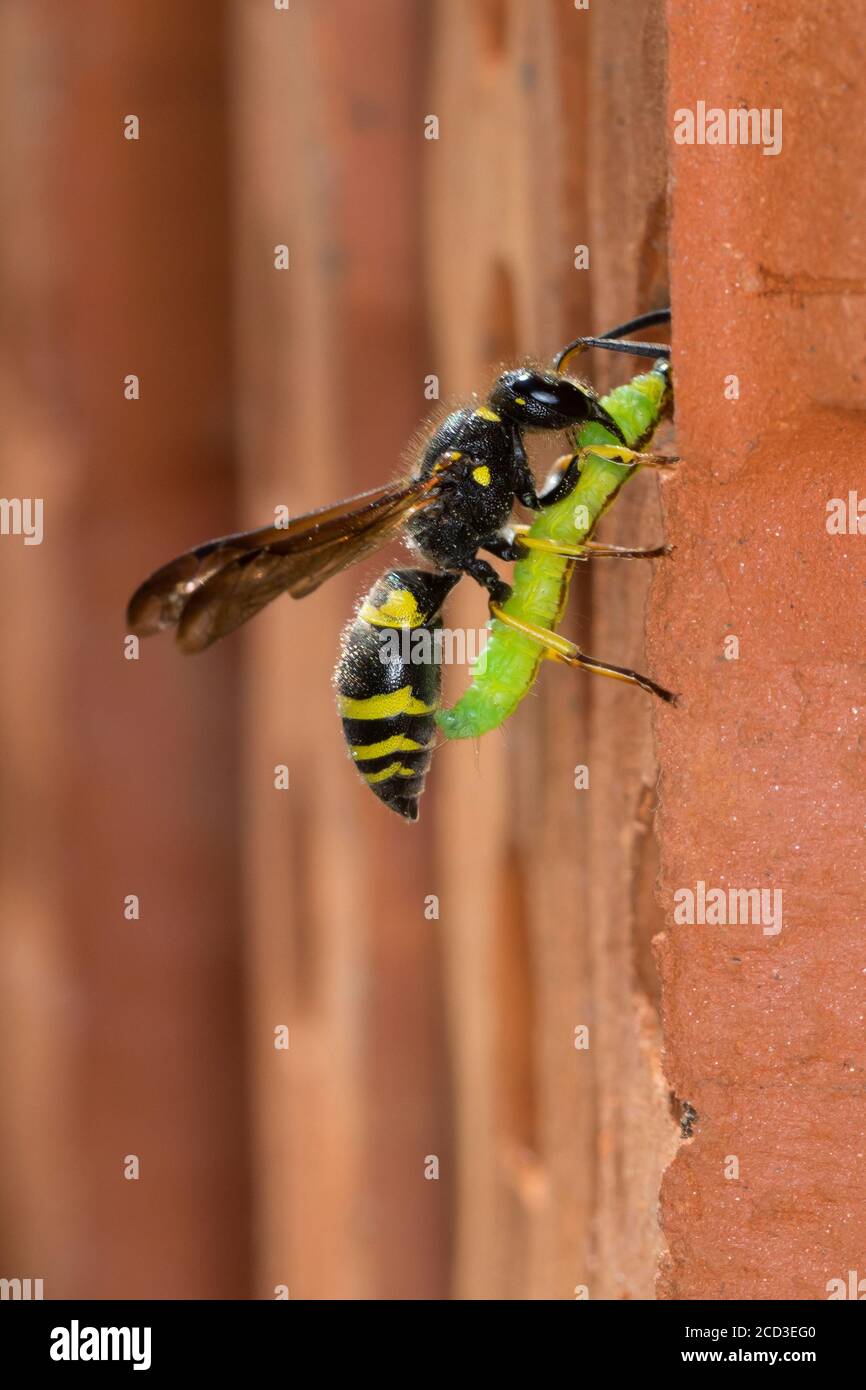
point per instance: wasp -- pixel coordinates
(456, 503)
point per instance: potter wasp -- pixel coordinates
(458, 501)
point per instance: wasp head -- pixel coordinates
(547, 401)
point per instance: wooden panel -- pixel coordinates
(551, 136)
(332, 362)
(119, 1037)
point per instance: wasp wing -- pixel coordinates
(209, 591)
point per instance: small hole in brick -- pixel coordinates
(685, 1115)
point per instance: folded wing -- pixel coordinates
(211, 590)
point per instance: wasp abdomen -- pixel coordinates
(388, 682)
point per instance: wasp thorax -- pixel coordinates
(541, 399)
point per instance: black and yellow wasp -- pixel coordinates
(458, 502)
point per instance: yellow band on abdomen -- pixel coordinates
(392, 770)
(398, 744)
(400, 701)
(400, 609)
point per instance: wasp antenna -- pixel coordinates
(610, 340)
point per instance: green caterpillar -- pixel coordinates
(506, 670)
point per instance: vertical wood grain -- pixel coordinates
(120, 1037)
(552, 136)
(332, 365)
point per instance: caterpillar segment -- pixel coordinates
(388, 682)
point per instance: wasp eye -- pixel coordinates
(542, 397)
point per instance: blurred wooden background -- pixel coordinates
(306, 908)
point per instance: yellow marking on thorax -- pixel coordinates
(399, 743)
(485, 413)
(400, 701)
(481, 474)
(392, 770)
(400, 609)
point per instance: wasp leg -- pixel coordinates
(524, 483)
(484, 574)
(582, 550)
(629, 458)
(560, 482)
(557, 648)
(563, 477)
(564, 474)
(504, 548)
(625, 552)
